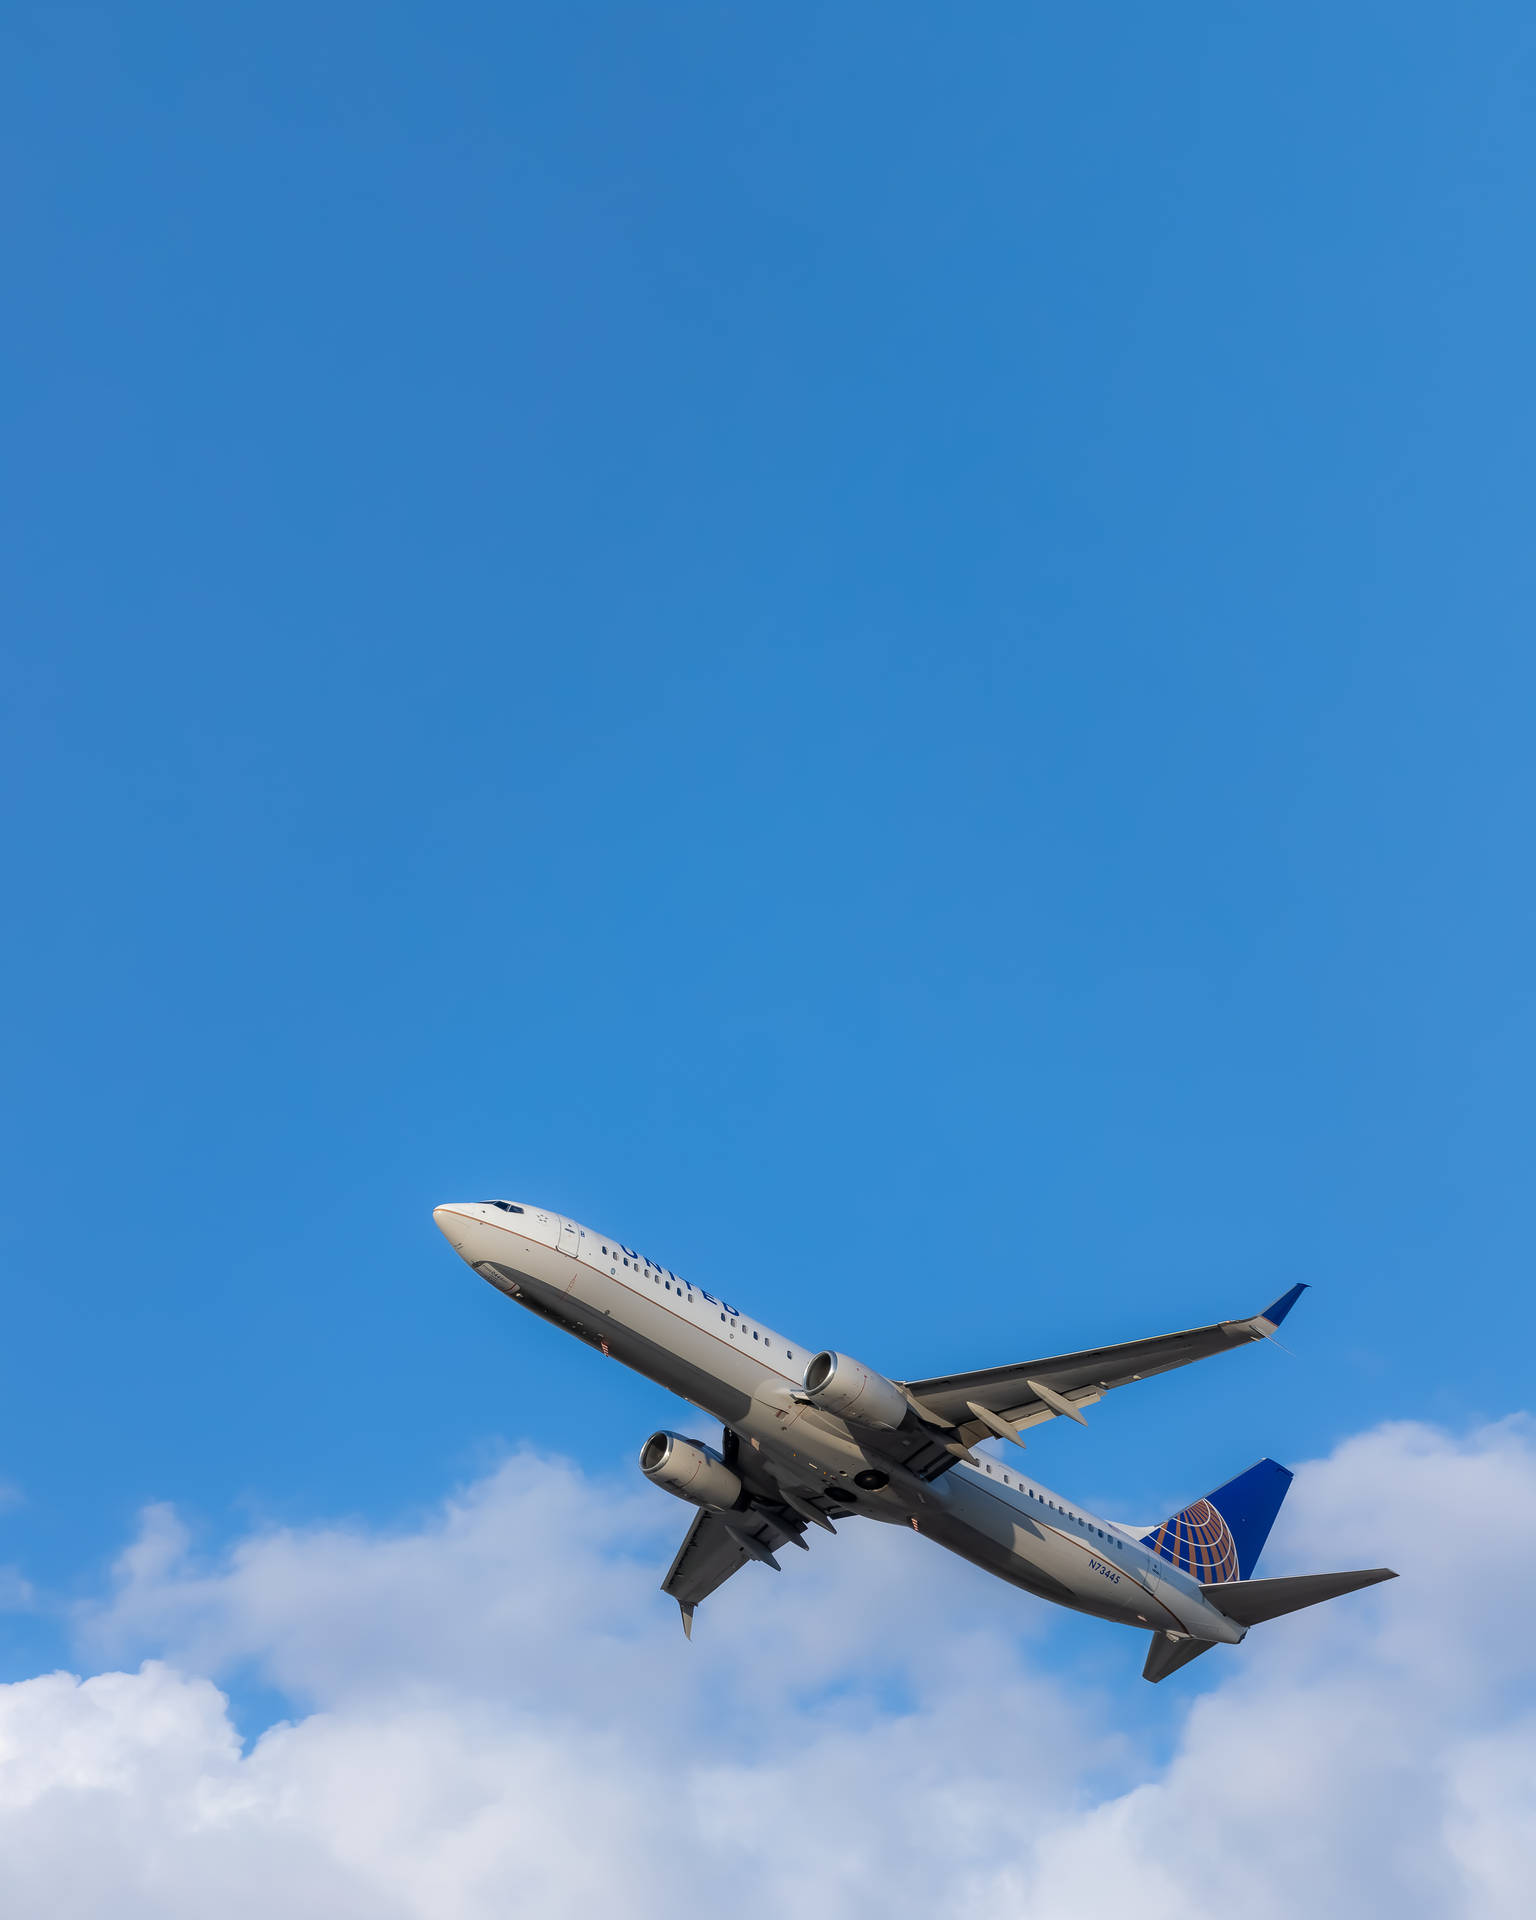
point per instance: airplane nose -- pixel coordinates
(450, 1222)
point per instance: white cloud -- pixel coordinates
(496, 1714)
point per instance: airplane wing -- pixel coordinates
(1037, 1390)
(716, 1545)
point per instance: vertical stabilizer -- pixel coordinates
(1220, 1537)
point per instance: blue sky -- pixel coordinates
(885, 649)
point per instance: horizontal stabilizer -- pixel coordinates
(1250, 1601)
(1170, 1651)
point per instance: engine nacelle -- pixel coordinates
(855, 1392)
(689, 1469)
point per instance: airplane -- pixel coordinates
(812, 1438)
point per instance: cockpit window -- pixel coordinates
(506, 1206)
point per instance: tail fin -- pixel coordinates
(1220, 1537)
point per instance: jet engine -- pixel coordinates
(689, 1469)
(842, 1386)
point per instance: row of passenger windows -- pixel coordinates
(1055, 1507)
(665, 1278)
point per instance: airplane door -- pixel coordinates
(570, 1239)
(1165, 1593)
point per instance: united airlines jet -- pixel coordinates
(812, 1438)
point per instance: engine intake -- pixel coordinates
(853, 1391)
(689, 1469)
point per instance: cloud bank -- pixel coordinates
(494, 1714)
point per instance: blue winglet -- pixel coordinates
(1275, 1314)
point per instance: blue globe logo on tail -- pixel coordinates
(1220, 1537)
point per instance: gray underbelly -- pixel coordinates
(660, 1363)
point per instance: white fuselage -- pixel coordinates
(748, 1376)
